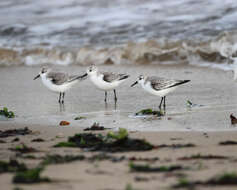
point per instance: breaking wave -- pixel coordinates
(218, 52)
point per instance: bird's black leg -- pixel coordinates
(161, 102)
(59, 99)
(63, 97)
(115, 97)
(164, 103)
(105, 96)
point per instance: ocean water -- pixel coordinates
(197, 32)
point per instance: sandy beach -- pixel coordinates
(204, 126)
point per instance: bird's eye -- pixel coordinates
(90, 70)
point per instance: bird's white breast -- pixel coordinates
(56, 88)
(147, 87)
(98, 81)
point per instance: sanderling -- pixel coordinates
(58, 81)
(105, 80)
(159, 86)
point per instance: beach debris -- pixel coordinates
(23, 149)
(233, 119)
(188, 145)
(189, 104)
(58, 159)
(11, 166)
(147, 168)
(64, 123)
(112, 142)
(176, 139)
(149, 111)
(9, 114)
(16, 139)
(229, 142)
(15, 132)
(37, 140)
(129, 187)
(203, 157)
(30, 176)
(79, 118)
(205, 135)
(229, 178)
(1, 141)
(141, 179)
(153, 159)
(95, 127)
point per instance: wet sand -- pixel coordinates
(33, 103)
(204, 126)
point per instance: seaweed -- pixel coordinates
(188, 145)
(65, 144)
(103, 156)
(58, 159)
(149, 111)
(23, 149)
(6, 113)
(11, 166)
(129, 187)
(148, 168)
(189, 104)
(1, 141)
(228, 143)
(204, 157)
(112, 142)
(79, 118)
(15, 132)
(30, 176)
(229, 178)
(95, 127)
(144, 159)
(37, 140)
(16, 139)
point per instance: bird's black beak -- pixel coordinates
(85, 75)
(134, 84)
(37, 76)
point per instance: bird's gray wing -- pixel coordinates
(110, 77)
(58, 78)
(158, 83)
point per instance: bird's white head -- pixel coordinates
(141, 80)
(43, 71)
(92, 70)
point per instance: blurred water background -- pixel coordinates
(198, 32)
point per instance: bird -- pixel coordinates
(158, 86)
(105, 81)
(57, 81)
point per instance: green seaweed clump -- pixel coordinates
(30, 176)
(6, 113)
(23, 149)
(149, 111)
(224, 179)
(79, 118)
(148, 168)
(120, 135)
(11, 166)
(66, 144)
(112, 142)
(58, 159)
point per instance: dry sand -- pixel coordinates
(204, 126)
